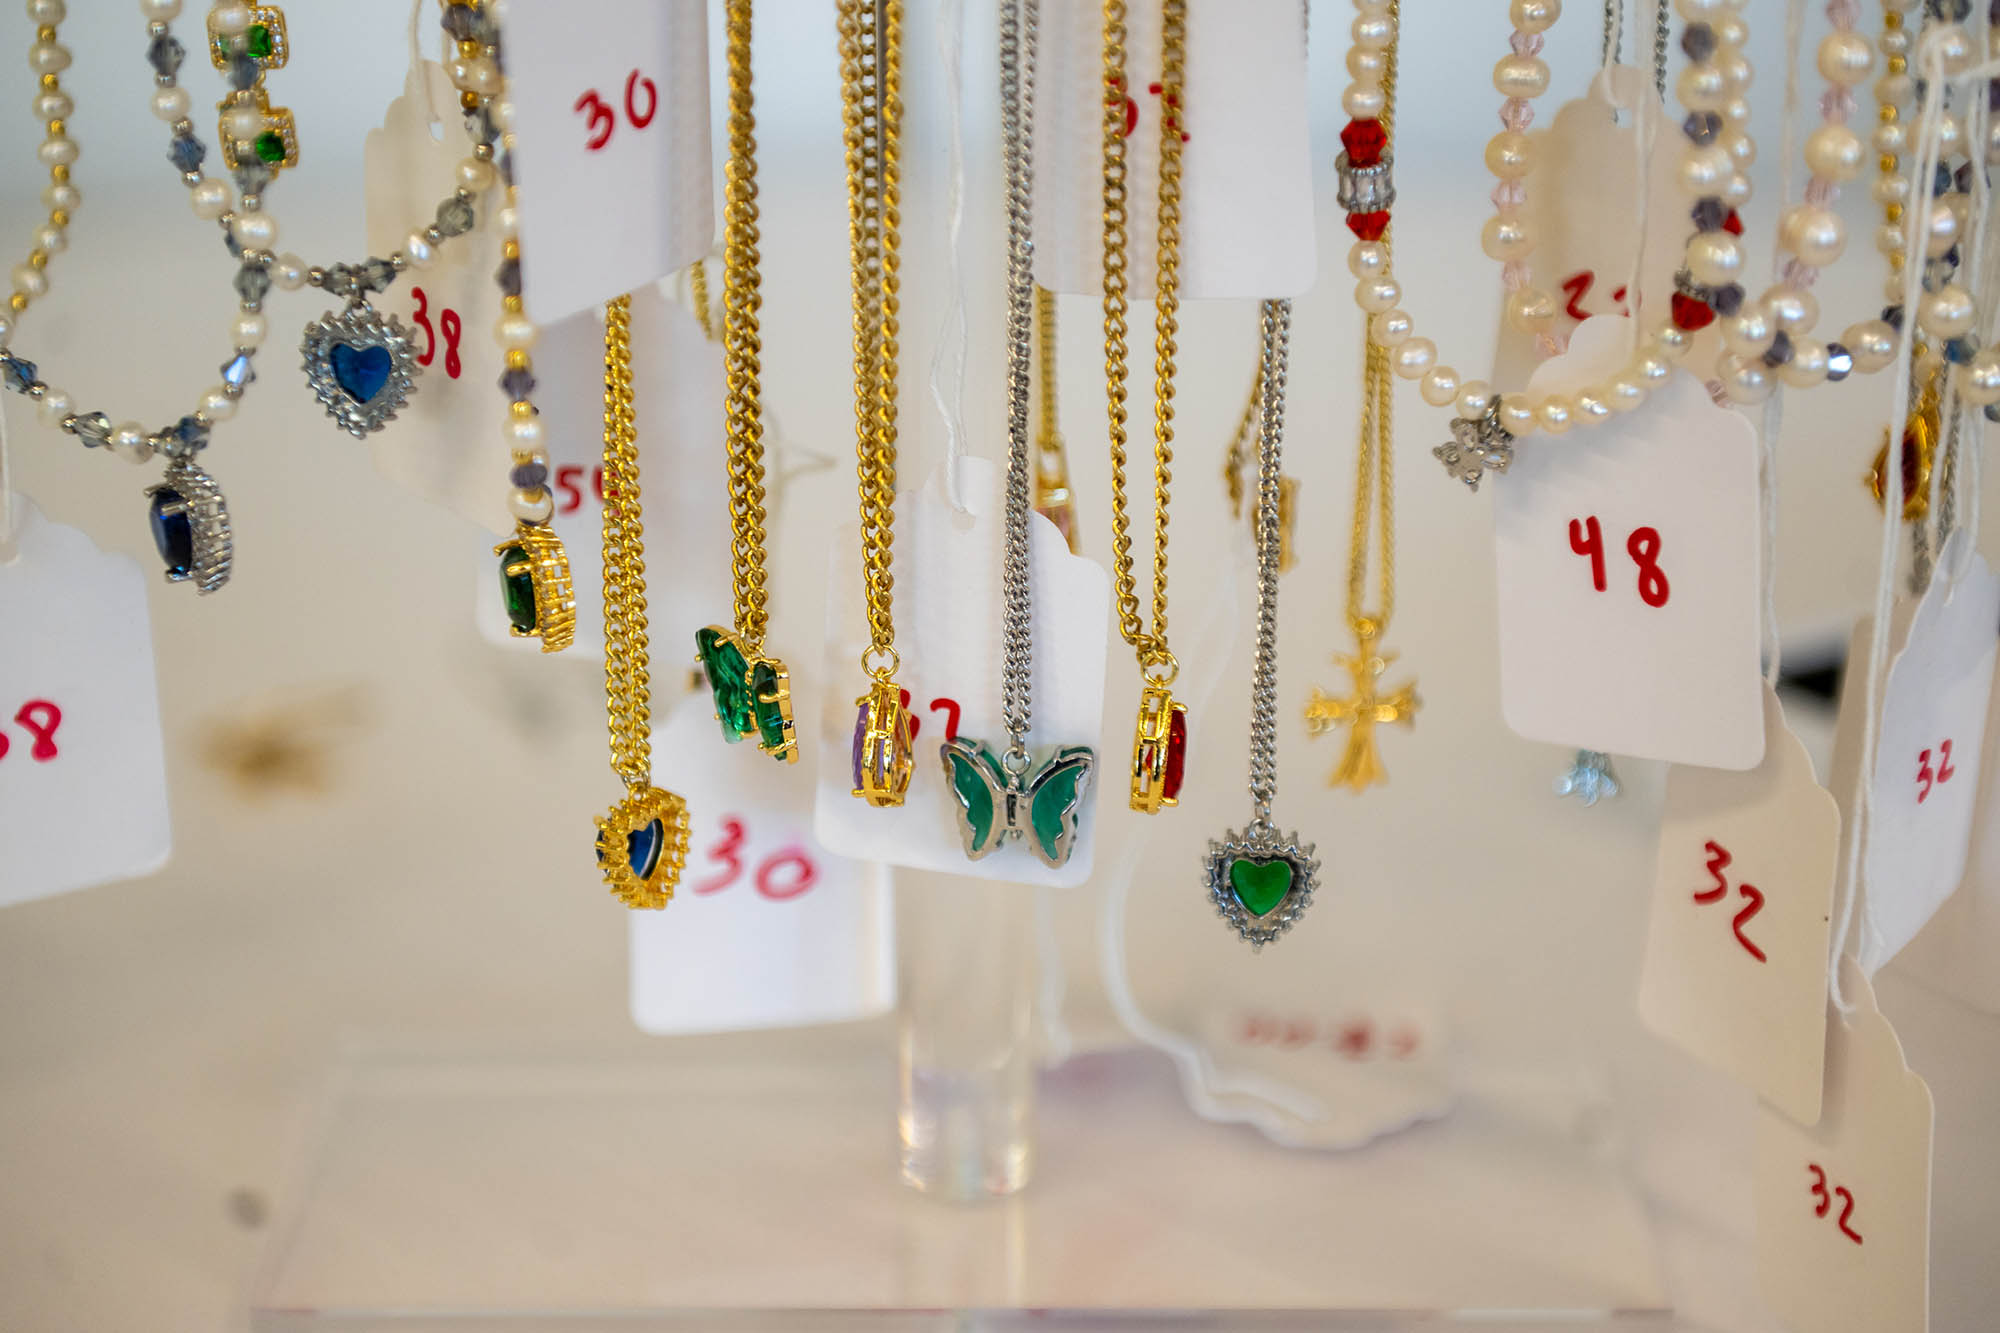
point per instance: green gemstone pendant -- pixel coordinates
(1260, 885)
(728, 672)
(1260, 881)
(517, 589)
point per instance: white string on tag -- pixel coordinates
(948, 361)
(1892, 520)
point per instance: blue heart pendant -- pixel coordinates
(360, 371)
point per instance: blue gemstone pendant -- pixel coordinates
(361, 366)
(190, 521)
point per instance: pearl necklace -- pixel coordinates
(48, 58)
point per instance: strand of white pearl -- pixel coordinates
(47, 58)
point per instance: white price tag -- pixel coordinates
(1627, 555)
(677, 401)
(1735, 970)
(948, 623)
(79, 717)
(768, 928)
(1582, 202)
(1843, 1209)
(611, 146)
(1925, 785)
(1246, 202)
(1958, 951)
(446, 444)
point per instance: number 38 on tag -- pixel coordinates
(1627, 554)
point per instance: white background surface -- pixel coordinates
(161, 1043)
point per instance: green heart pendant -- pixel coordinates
(1260, 885)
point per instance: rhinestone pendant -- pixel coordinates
(1260, 881)
(884, 746)
(997, 804)
(642, 846)
(361, 366)
(753, 694)
(1159, 750)
(535, 587)
(191, 527)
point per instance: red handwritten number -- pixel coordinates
(423, 321)
(453, 327)
(1592, 546)
(1718, 860)
(1754, 896)
(633, 82)
(1945, 771)
(772, 879)
(1847, 1211)
(1644, 548)
(602, 121)
(1926, 778)
(950, 707)
(1578, 285)
(803, 878)
(568, 480)
(1819, 1189)
(729, 852)
(44, 730)
(1825, 1202)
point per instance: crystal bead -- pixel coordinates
(253, 283)
(243, 73)
(1958, 351)
(252, 175)
(1780, 351)
(339, 280)
(508, 275)
(1892, 315)
(165, 55)
(1691, 312)
(454, 216)
(1368, 226)
(1992, 411)
(1707, 214)
(186, 152)
(460, 20)
(516, 383)
(1839, 362)
(479, 124)
(18, 372)
(93, 428)
(1727, 299)
(505, 166)
(377, 274)
(1941, 182)
(1733, 223)
(1698, 40)
(188, 435)
(529, 476)
(237, 372)
(1702, 127)
(1364, 141)
(231, 244)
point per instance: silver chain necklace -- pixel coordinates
(997, 797)
(1261, 880)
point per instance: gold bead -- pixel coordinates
(38, 258)
(17, 303)
(523, 410)
(49, 82)
(517, 359)
(45, 33)
(58, 217)
(60, 175)
(56, 128)
(1898, 64)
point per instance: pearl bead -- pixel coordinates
(536, 506)
(217, 405)
(1749, 333)
(1414, 358)
(1555, 414)
(1391, 328)
(1745, 380)
(1368, 259)
(1742, 150)
(1624, 392)
(30, 281)
(1375, 295)
(54, 406)
(1439, 386)
(1695, 10)
(48, 57)
(210, 199)
(1807, 366)
(1510, 155)
(255, 231)
(229, 20)
(128, 441)
(1947, 312)
(243, 121)
(1941, 233)
(61, 195)
(1793, 309)
(475, 75)
(1816, 235)
(170, 104)
(57, 151)
(1517, 415)
(248, 331)
(507, 223)
(1892, 189)
(1950, 134)
(1363, 101)
(1873, 343)
(1652, 370)
(1889, 238)
(51, 238)
(1592, 404)
(289, 272)
(1714, 258)
(1979, 379)
(417, 248)
(1891, 137)
(1702, 88)
(1736, 190)
(503, 114)
(1729, 30)
(523, 433)
(159, 11)
(46, 13)
(6, 327)
(475, 176)
(514, 332)
(1735, 71)
(1845, 57)
(1474, 397)
(1946, 45)
(1506, 236)
(1520, 76)
(1835, 153)
(1736, 111)
(1892, 289)
(1530, 310)
(1372, 32)
(1669, 343)
(1365, 66)
(1894, 90)
(53, 104)
(1703, 170)
(1534, 15)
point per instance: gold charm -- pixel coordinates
(276, 143)
(642, 846)
(884, 748)
(264, 41)
(1360, 765)
(535, 587)
(1159, 750)
(1920, 438)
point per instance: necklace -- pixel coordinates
(1260, 880)
(1159, 743)
(535, 585)
(872, 114)
(753, 693)
(1237, 458)
(642, 842)
(1054, 500)
(998, 799)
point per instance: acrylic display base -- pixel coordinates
(750, 1182)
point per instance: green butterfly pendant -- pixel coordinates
(995, 805)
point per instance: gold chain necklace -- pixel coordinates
(753, 692)
(1159, 744)
(1055, 500)
(1374, 487)
(642, 843)
(871, 118)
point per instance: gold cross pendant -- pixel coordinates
(1360, 765)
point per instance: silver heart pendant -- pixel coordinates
(361, 366)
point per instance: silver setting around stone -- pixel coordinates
(207, 513)
(1370, 189)
(1261, 844)
(360, 326)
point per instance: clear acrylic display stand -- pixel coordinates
(751, 1181)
